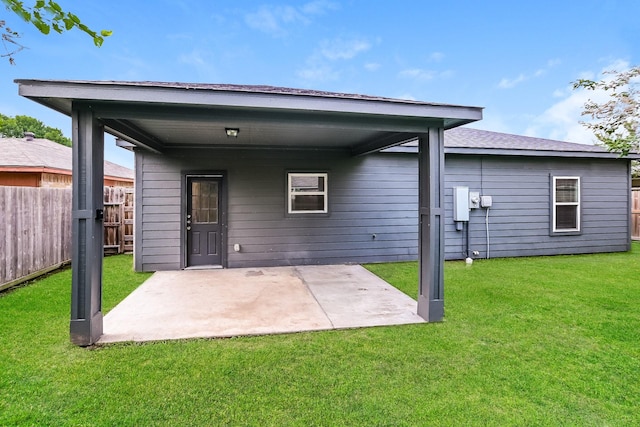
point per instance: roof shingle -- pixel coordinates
(463, 140)
(44, 153)
(476, 138)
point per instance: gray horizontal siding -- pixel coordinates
(361, 204)
(519, 220)
(376, 195)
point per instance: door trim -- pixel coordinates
(222, 176)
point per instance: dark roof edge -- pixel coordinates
(238, 88)
(521, 153)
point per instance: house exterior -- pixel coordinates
(240, 176)
(36, 162)
(526, 178)
(214, 155)
(369, 205)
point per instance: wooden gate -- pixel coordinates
(118, 219)
(635, 214)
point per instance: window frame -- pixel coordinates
(290, 194)
(554, 204)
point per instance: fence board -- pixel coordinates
(35, 229)
(118, 217)
(635, 214)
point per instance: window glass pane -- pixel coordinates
(566, 217)
(307, 203)
(307, 192)
(307, 183)
(566, 191)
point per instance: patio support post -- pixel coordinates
(431, 225)
(87, 227)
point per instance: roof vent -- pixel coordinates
(29, 136)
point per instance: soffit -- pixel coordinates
(162, 116)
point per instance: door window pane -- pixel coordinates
(204, 202)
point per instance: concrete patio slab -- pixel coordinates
(255, 301)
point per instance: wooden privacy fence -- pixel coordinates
(35, 229)
(635, 214)
(118, 219)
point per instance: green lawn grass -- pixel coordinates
(529, 341)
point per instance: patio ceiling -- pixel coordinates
(165, 116)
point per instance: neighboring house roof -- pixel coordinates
(475, 141)
(20, 153)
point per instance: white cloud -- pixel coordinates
(508, 83)
(132, 67)
(192, 58)
(406, 96)
(318, 7)
(372, 66)
(199, 61)
(318, 73)
(343, 49)
(181, 37)
(436, 57)
(446, 74)
(417, 73)
(275, 20)
(320, 65)
(492, 122)
(423, 75)
(562, 120)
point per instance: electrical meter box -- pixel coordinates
(486, 201)
(461, 203)
(474, 200)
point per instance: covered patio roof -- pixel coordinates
(168, 117)
(162, 116)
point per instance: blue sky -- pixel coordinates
(516, 59)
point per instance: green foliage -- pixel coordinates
(45, 15)
(551, 341)
(16, 127)
(616, 123)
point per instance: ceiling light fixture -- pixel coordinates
(232, 132)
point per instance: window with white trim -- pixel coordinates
(566, 204)
(307, 193)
